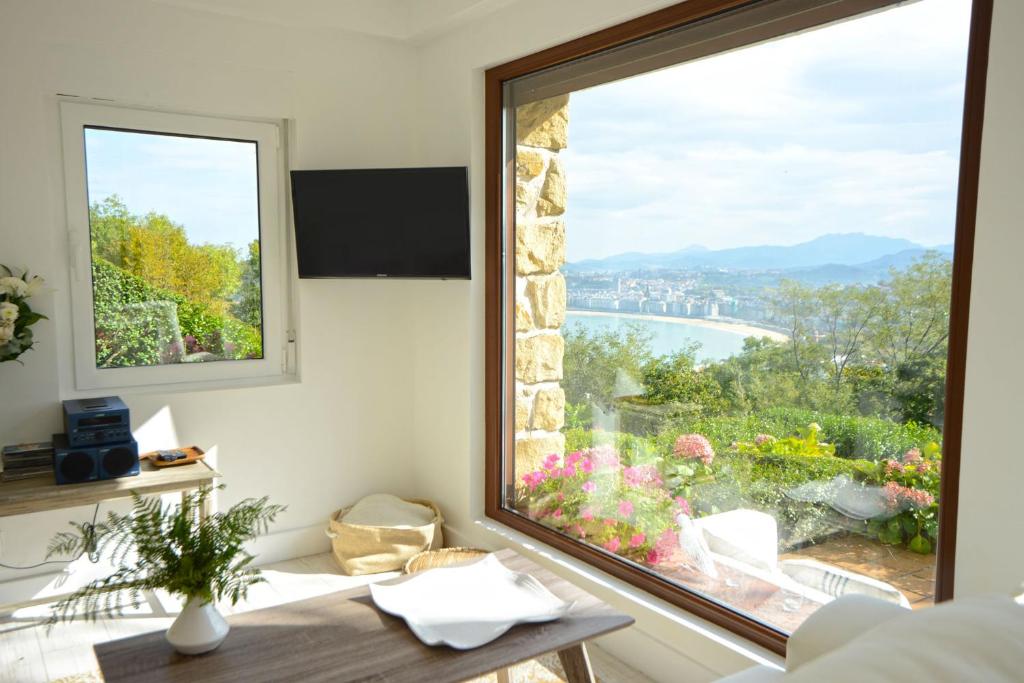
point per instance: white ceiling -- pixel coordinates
(406, 20)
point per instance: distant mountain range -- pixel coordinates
(848, 257)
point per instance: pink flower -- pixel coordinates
(573, 458)
(604, 457)
(608, 521)
(587, 514)
(558, 513)
(613, 545)
(899, 497)
(569, 471)
(694, 447)
(625, 508)
(684, 505)
(589, 487)
(579, 531)
(587, 465)
(892, 466)
(917, 498)
(534, 479)
(912, 456)
(560, 496)
(922, 467)
(642, 475)
(762, 439)
(666, 544)
(550, 461)
(637, 540)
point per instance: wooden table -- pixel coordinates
(343, 637)
(39, 494)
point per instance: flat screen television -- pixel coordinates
(379, 223)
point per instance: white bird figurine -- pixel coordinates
(691, 540)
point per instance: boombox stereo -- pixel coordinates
(96, 421)
(76, 464)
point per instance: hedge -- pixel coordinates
(134, 323)
(854, 437)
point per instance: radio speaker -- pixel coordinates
(74, 465)
(118, 460)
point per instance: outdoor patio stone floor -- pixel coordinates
(911, 573)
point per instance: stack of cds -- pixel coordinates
(25, 460)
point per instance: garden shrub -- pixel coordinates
(134, 326)
(853, 437)
(592, 495)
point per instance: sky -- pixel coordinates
(853, 127)
(207, 186)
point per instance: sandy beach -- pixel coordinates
(738, 328)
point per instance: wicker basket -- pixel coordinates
(445, 557)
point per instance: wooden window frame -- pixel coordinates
(500, 306)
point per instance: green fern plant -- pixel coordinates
(166, 547)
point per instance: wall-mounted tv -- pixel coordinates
(387, 222)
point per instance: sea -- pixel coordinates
(667, 337)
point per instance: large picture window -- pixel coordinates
(726, 347)
(176, 240)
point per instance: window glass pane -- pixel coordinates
(733, 280)
(175, 245)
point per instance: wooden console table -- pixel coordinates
(39, 494)
(343, 637)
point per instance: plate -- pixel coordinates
(469, 605)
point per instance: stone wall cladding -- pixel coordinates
(541, 134)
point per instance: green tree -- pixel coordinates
(845, 314)
(249, 306)
(675, 379)
(109, 222)
(911, 336)
(594, 363)
(794, 306)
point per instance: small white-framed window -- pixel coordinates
(176, 232)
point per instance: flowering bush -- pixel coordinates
(910, 486)
(16, 317)
(694, 447)
(691, 464)
(591, 495)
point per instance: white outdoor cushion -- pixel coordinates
(834, 581)
(381, 509)
(748, 536)
(968, 639)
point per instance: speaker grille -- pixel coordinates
(118, 461)
(76, 466)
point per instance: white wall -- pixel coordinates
(343, 431)
(449, 365)
(990, 555)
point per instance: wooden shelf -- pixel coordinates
(39, 494)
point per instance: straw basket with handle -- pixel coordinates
(445, 557)
(365, 549)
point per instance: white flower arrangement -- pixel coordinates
(16, 317)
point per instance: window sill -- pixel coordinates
(712, 647)
(188, 387)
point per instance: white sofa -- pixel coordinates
(856, 638)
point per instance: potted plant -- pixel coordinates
(16, 316)
(176, 549)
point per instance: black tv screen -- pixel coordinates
(393, 222)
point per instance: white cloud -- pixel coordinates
(854, 127)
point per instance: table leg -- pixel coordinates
(576, 664)
(204, 510)
(504, 676)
